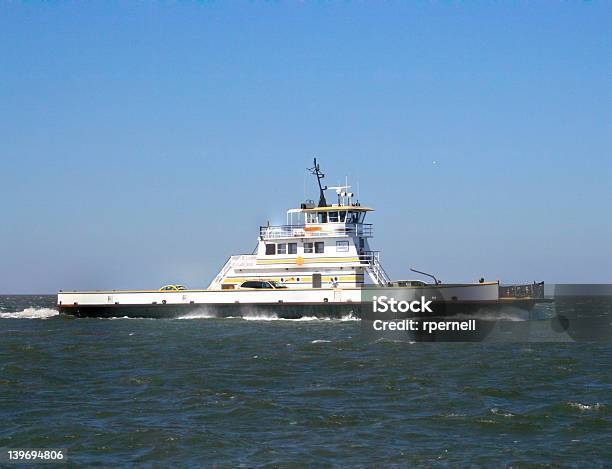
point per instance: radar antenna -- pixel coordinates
(317, 172)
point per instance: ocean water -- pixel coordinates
(201, 391)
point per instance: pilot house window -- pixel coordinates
(270, 249)
(355, 217)
(311, 217)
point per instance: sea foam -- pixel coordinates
(31, 313)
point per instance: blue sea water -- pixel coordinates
(231, 392)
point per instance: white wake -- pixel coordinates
(200, 313)
(31, 313)
(274, 317)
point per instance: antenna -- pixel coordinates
(316, 170)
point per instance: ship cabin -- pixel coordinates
(324, 246)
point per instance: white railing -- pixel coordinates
(244, 260)
(234, 262)
(303, 231)
(375, 269)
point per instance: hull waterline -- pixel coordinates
(284, 311)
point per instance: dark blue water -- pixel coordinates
(227, 392)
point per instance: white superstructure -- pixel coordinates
(328, 247)
(325, 245)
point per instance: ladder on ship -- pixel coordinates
(375, 269)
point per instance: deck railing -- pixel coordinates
(529, 290)
(234, 262)
(363, 230)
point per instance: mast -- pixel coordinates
(317, 172)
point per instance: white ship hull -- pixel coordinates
(284, 303)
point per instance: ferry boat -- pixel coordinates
(320, 263)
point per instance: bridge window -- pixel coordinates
(281, 248)
(342, 216)
(333, 217)
(355, 217)
(292, 248)
(308, 248)
(319, 247)
(322, 217)
(342, 246)
(270, 249)
(311, 217)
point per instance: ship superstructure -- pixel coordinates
(320, 246)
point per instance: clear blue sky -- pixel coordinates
(144, 142)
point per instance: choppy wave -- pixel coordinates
(585, 407)
(203, 313)
(350, 317)
(500, 412)
(257, 317)
(493, 316)
(393, 341)
(274, 317)
(31, 313)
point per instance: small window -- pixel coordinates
(333, 217)
(355, 217)
(319, 247)
(281, 248)
(292, 248)
(322, 217)
(342, 216)
(342, 246)
(270, 249)
(308, 248)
